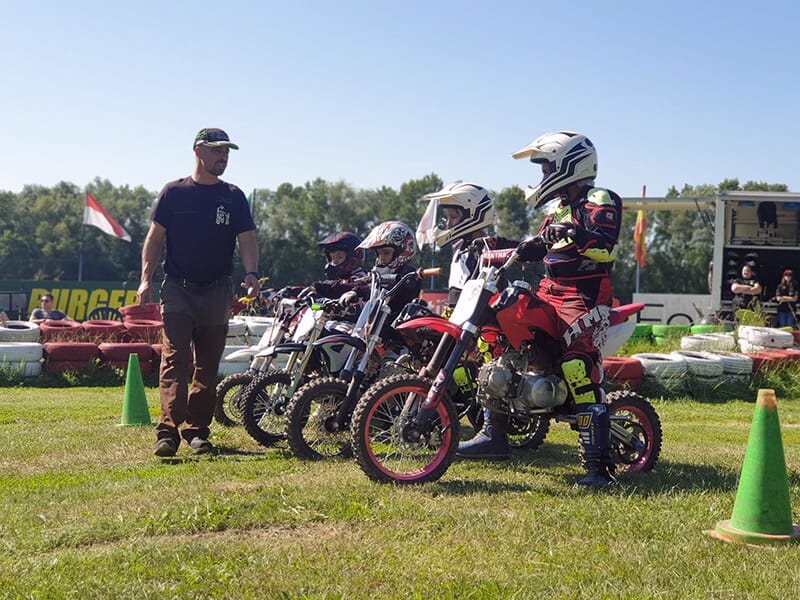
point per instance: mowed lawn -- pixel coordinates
(86, 511)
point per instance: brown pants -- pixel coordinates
(195, 326)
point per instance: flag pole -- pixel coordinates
(638, 266)
(80, 243)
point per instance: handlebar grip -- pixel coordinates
(432, 272)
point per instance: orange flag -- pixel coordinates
(638, 238)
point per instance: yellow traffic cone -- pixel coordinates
(762, 514)
(134, 405)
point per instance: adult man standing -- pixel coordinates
(199, 218)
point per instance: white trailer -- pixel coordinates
(760, 228)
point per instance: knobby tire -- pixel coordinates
(310, 417)
(382, 436)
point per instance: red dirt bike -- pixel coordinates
(405, 428)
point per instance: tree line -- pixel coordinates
(43, 237)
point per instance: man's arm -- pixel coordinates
(151, 252)
(248, 251)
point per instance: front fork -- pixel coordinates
(423, 421)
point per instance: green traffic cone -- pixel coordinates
(762, 514)
(134, 405)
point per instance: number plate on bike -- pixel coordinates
(468, 301)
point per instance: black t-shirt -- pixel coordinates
(744, 300)
(202, 222)
(786, 289)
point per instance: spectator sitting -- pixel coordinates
(46, 312)
(746, 289)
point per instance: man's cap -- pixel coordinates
(787, 272)
(213, 138)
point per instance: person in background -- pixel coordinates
(46, 312)
(746, 289)
(3, 317)
(786, 296)
(200, 219)
(343, 263)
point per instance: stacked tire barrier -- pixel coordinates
(643, 332)
(665, 334)
(75, 357)
(20, 331)
(25, 357)
(237, 333)
(704, 367)
(623, 371)
(228, 367)
(708, 356)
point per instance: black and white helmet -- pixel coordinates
(473, 202)
(571, 157)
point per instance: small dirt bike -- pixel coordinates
(265, 399)
(318, 415)
(405, 427)
(228, 406)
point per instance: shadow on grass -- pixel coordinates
(667, 478)
(219, 452)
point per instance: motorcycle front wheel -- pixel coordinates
(228, 405)
(310, 420)
(635, 432)
(264, 407)
(388, 444)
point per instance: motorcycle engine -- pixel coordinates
(504, 386)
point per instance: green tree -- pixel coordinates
(512, 213)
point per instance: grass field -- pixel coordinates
(88, 512)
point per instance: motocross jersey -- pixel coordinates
(462, 267)
(596, 216)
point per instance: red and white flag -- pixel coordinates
(96, 215)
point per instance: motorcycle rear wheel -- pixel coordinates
(388, 446)
(642, 424)
(310, 417)
(228, 404)
(264, 407)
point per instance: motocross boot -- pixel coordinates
(491, 442)
(594, 433)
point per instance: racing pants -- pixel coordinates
(581, 307)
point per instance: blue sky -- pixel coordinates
(376, 93)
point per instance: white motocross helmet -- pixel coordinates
(571, 156)
(396, 235)
(473, 201)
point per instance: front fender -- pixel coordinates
(347, 340)
(436, 323)
(286, 348)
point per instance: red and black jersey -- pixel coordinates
(596, 216)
